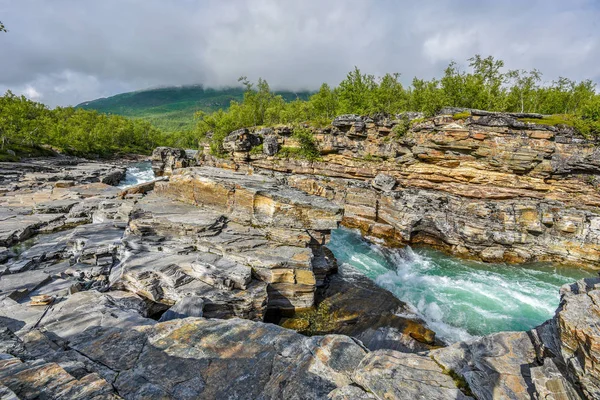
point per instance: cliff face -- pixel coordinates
(487, 187)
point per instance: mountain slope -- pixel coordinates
(173, 108)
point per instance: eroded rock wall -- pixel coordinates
(488, 187)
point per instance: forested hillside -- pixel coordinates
(172, 109)
(28, 128)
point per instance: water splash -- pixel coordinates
(137, 173)
(459, 299)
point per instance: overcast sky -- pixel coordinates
(63, 52)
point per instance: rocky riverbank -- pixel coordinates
(488, 186)
(165, 289)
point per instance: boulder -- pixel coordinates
(270, 145)
(197, 358)
(240, 141)
(384, 182)
(494, 366)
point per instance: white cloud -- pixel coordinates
(69, 51)
(32, 93)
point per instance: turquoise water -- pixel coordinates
(459, 299)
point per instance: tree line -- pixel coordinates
(486, 85)
(27, 125)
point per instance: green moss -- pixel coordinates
(373, 158)
(459, 381)
(369, 157)
(587, 127)
(401, 128)
(257, 149)
(314, 321)
(461, 115)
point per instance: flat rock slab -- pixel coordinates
(213, 359)
(84, 310)
(36, 379)
(55, 207)
(254, 199)
(17, 227)
(389, 374)
(17, 286)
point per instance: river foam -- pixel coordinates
(137, 173)
(459, 299)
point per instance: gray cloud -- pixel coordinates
(67, 51)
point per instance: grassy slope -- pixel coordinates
(173, 108)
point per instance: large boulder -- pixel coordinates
(494, 366)
(197, 358)
(388, 374)
(240, 140)
(384, 182)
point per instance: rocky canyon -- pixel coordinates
(215, 280)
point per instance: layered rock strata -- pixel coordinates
(487, 187)
(206, 248)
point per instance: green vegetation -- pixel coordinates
(486, 86)
(460, 382)
(257, 149)
(308, 145)
(461, 115)
(402, 127)
(28, 128)
(25, 125)
(172, 109)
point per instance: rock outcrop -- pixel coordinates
(488, 187)
(164, 290)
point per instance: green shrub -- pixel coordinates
(289, 152)
(588, 128)
(308, 145)
(257, 149)
(402, 127)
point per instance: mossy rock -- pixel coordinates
(461, 115)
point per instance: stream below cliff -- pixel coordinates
(459, 299)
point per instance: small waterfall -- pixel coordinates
(137, 173)
(459, 299)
